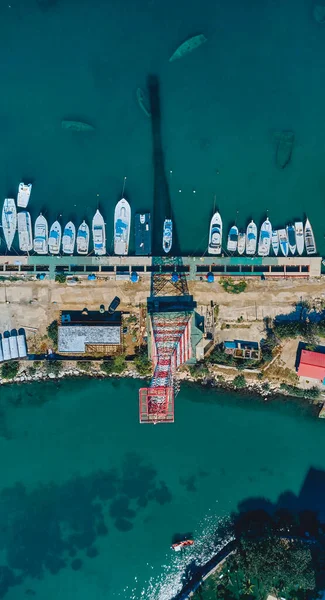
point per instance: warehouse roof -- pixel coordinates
(75, 337)
(312, 364)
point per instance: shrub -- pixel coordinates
(292, 390)
(52, 332)
(60, 278)
(84, 365)
(107, 366)
(9, 370)
(239, 381)
(31, 370)
(231, 287)
(115, 366)
(142, 363)
(198, 370)
(54, 366)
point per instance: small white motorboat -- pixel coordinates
(122, 226)
(251, 238)
(25, 234)
(167, 235)
(9, 221)
(41, 234)
(232, 239)
(283, 241)
(69, 238)
(241, 242)
(24, 191)
(264, 242)
(99, 234)
(275, 242)
(299, 229)
(55, 238)
(291, 234)
(83, 238)
(215, 234)
(309, 239)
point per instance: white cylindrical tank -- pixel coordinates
(13, 346)
(22, 348)
(6, 349)
(1, 353)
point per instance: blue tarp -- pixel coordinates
(134, 277)
(91, 277)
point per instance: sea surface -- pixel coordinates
(90, 500)
(262, 70)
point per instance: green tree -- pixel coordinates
(54, 366)
(119, 364)
(60, 278)
(142, 363)
(239, 381)
(52, 332)
(9, 370)
(84, 365)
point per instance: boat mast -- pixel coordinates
(123, 187)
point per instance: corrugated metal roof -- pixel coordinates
(312, 365)
(75, 337)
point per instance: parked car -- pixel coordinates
(113, 305)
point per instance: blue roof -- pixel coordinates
(231, 345)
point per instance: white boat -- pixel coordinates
(41, 234)
(251, 238)
(241, 242)
(215, 234)
(55, 238)
(9, 220)
(25, 234)
(299, 229)
(69, 238)
(309, 239)
(275, 241)
(122, 223)
(167, 235)
(232, 239)
(99, 234)
(83, 238)
(264, 242)
(283, 241)
(24, 191)
(291, 238)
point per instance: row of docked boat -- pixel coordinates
(292, 239)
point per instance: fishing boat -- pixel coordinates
(232, 239)
(25, 234)
(9, 220)
(180, 545)
(241, 242)
(99, 234)
(264, 242)
(309, 239)
(41, 235)
(215, 234)
(291, 238)
(142, 234)
(275, 241)
(69, 238)
(122, 224)
(299, 229)
(251, 238)
(283, 241)
(83, 238)
(167, 235)
(24, 191)
(78, 126)
(188, 46)
(55, 238)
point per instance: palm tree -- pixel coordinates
(248, 587)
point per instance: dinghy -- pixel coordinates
(25, 234)
(83, 238)
(215, 234)
(241, 242)
(24, 191)
(41, 235)
(291, 238)
(251, 238)
(299, 229)
(275, 242)
(283, 241)
(69, 238)
(232, 239)
(188, 46)
(55, 238)
(99, 234)
(122, 225)
(264, 242)
(9, 220)
(167, 235)
(309, 239)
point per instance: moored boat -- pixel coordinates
(9, 220)
(215, 234)
(142, 234)
(167, 235)
(122, 224)
(264, 242)
(251, 238)
(283, 241)
(83, 238)
(24, 191)
(99, 234)
(41, 235)
(188, 46)
(299, 229)
(291, 238)
(55, 238)
(275, 241)
(232, 239)
(180, 545)
(241, 242)
(69, 238)
(309, 238)
(25, 235)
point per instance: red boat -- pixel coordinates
(180, 545)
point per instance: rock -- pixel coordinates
(52, 376)
(319, 13)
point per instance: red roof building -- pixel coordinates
(312, 365)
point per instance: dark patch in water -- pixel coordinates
(123, 524)
(189, 483)
(101, 528)
(76, 564)
(92, 552)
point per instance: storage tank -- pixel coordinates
(22, 348)
(6, 349)
(13, 346)
(1, 354)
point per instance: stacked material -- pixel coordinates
(12, 347)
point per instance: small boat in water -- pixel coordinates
(309, 239)
(122, 225)
(264, 242)
(232, 239)
(83, 238)
(41, 234)
(291, 238)
(142, 234)
(55, 238)
(25, 234)
(78, 126)
(24, 191)
(275, 242)
(9, 220)
(283, 241)
(251, 238)
(215, 234)
(241, 242)
(69, 238)
(188, 46)
(180, 545)
(99, 234)
(299, 229)
(167, 235)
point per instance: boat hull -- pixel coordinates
(24, 191)
(283, 242)
(167, 235)
(41, 235)
(291, 235)
(99, 234)
(299, 229)
(264, 243)
(122, 223)
(232, 239)
(9, 221)
(251, 239)
(142, 234)
(309, 239)
(215, 234)
(275, 242)
(55, 237)
(69, 238)
(83, 239)
(25, 235)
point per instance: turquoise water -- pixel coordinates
(260, 71)
(90, 500)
